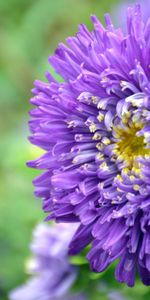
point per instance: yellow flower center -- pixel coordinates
(129, 145)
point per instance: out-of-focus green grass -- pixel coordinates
(19, 210)
(29, 32)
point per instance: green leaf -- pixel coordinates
(78, 260)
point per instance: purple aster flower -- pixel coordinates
(95, 129)
(116, 296)
(53, 276)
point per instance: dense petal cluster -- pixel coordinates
(121, 8)
(52, 274)
(95, 129)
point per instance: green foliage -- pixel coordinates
(19, 209)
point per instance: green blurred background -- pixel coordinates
(29, 31)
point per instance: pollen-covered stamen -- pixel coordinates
(129, 145)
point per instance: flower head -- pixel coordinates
(95, 129)
(52, 274)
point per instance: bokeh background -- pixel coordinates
(29, 31)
